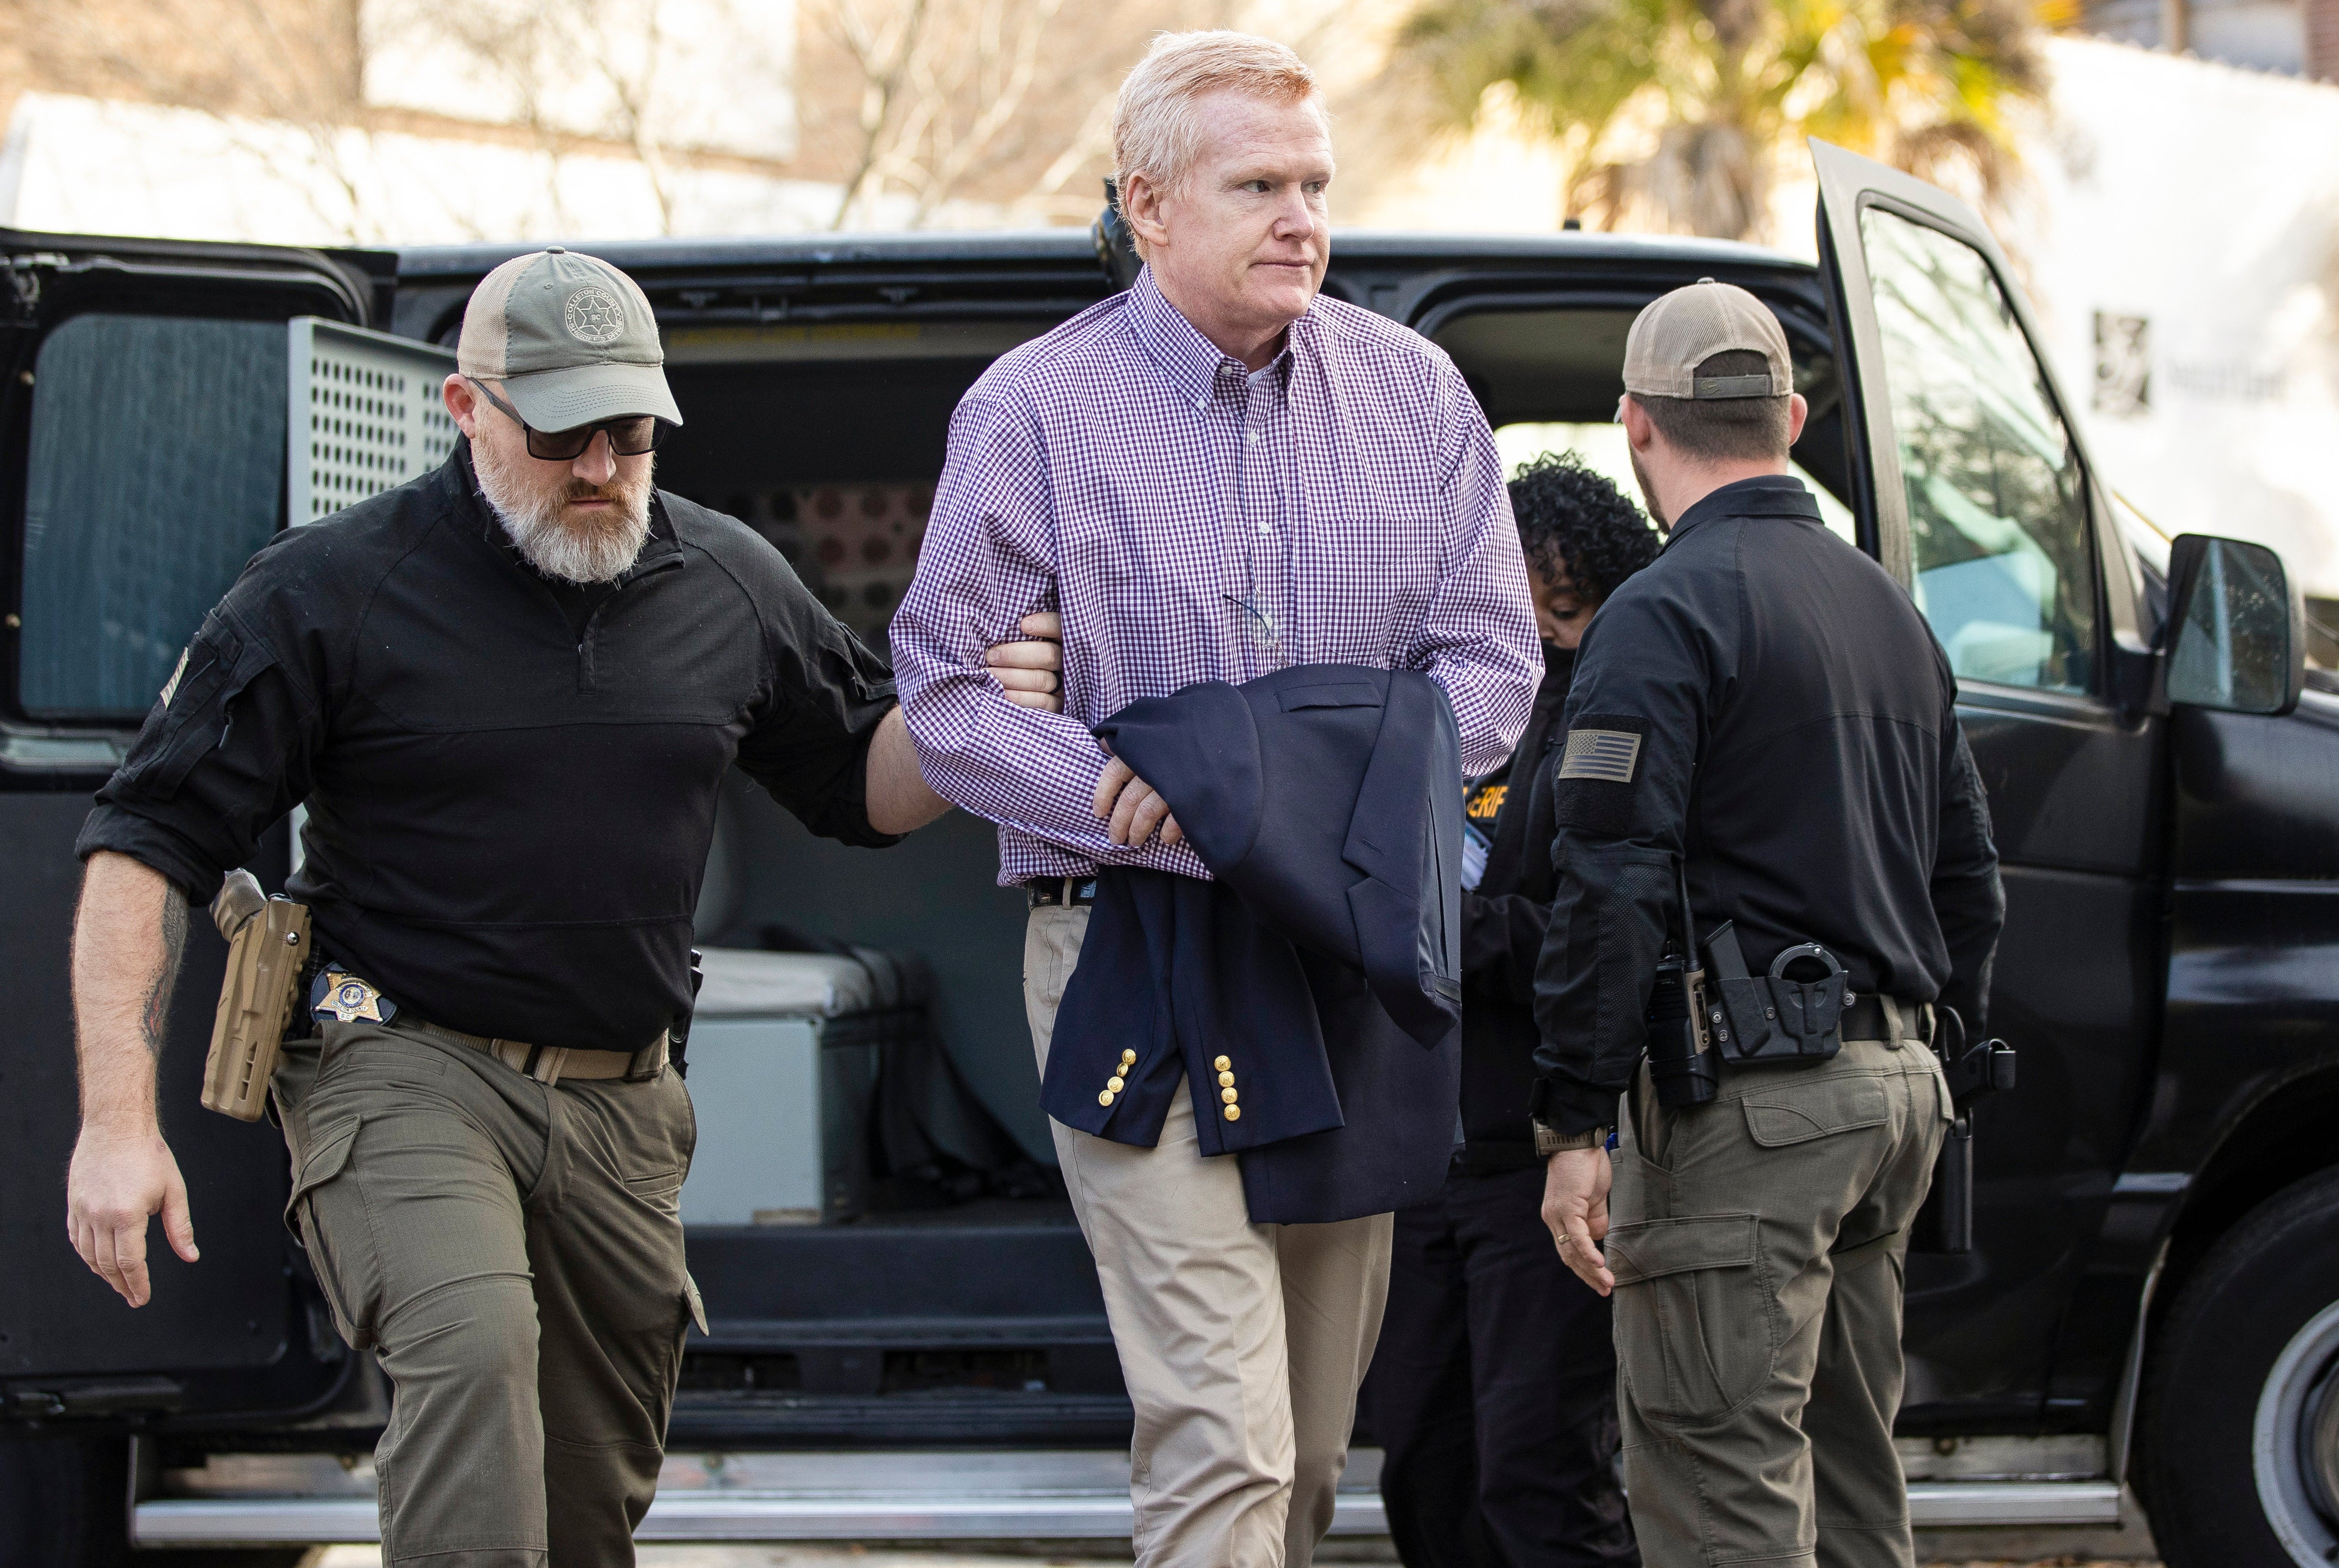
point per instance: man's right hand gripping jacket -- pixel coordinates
(1612, 910)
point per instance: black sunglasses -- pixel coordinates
(632, 436)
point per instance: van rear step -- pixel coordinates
(264, 1500)
(1043, 1421)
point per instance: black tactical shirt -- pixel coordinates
(1503, 922)
(1766, 699)
(511, 783)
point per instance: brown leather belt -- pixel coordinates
(548, 1064)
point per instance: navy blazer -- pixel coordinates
(1323, 964)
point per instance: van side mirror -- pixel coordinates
(2236, 632)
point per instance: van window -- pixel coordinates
(1997, 510)
(1605, 450)
(154, 469)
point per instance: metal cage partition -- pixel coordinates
(365, 415)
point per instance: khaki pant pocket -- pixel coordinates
(1696, 1319)
(1052, 936)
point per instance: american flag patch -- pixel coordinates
(1608, 755)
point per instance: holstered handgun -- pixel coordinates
(267, 943)
(1946, 1222)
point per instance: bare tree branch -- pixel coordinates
(633, 92)
(882, 49)
(994, 98)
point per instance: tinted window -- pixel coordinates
(1998, 514)
(153, 472)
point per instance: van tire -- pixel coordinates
(2251, 1345)
(63, 1504)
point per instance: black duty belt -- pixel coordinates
(1881, 1018)
(1058, 891)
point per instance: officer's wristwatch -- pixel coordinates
(1548, 1143)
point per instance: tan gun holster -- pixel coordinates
(267, 943)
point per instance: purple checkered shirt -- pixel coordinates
(1195, 522)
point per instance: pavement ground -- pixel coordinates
(2125, 1544)
(1035, 1555)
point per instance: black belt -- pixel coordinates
(1865, 1017)
(1058, 891)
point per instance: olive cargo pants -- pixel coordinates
(1757, 1242)
(513, 1254)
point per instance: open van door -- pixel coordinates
(146, 416)
(1985, 504)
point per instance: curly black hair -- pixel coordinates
(1568, 513)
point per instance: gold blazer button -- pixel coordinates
(1104, 1097)
(1234, 1113)
(1222, 1063)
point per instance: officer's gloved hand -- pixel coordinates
(1032, 671)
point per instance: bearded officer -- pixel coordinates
(508, 692)
(1764, 703)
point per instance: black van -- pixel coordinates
(2152, 1308)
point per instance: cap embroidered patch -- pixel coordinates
(593, 315)
(1609, 755)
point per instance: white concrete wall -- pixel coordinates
(2264, 35)
(87, 165)
(717, 74)
(2203, 200)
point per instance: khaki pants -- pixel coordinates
(1758, 1243)
(513, 1254)
(1242, 1345)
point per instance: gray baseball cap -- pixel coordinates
(1684, 329)
(571, 338)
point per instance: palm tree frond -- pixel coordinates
(1928, 84)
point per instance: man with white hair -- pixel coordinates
(508, 691)
(1214, 476)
